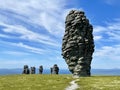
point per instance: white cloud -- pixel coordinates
(107, 40)
(4, 36)
(45, 13)
(50, 14)
(97, 32)
(108, 52)
(106, 57)
(26, 34)
(31, 49)
(16, 53)
(110, 31)
(96, 38)
(99, 29)
(22, 46)
(114, 35)
(115, 25)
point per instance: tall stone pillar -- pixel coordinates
(78, 43)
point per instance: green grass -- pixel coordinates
(34, 82)
(57, 82)
(99, 83)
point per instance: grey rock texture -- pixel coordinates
(55, 69)
(78, 43)
(51, 70)
(40, 69)
(26, 70)
(33, 70)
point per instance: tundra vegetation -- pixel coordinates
(57, 82)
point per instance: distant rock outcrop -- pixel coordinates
(33, 70)
(40, 69)
(55, 69)
(78, 43)
(26, 70)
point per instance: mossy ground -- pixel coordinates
(57, 82)
(99, 83)
(34, 82)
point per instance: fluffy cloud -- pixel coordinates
(107, 45)
(42, 22)
(109, 51)
(32, 49)
(106, 57)
(111, 31)
(26, 34)
(48, 14)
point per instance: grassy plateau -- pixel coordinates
(34, 82)
(57, 82)
(99, 83)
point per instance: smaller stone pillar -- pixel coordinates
(26, 70)
(55, 69)
(40, 69)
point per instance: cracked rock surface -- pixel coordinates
(78, 43)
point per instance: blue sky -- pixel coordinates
(31, 32)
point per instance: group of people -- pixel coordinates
(32, 70)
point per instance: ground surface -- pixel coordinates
(99, 83)
(58, 82)
(34, 82)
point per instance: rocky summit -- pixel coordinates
(78, 43)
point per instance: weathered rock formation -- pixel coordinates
(33, 70)
(55, 69)
(78, 44)
(51, 70)
(40, 69)
(26, 70)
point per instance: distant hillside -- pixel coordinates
(10, 71)
(64, 71)
(105, 71)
